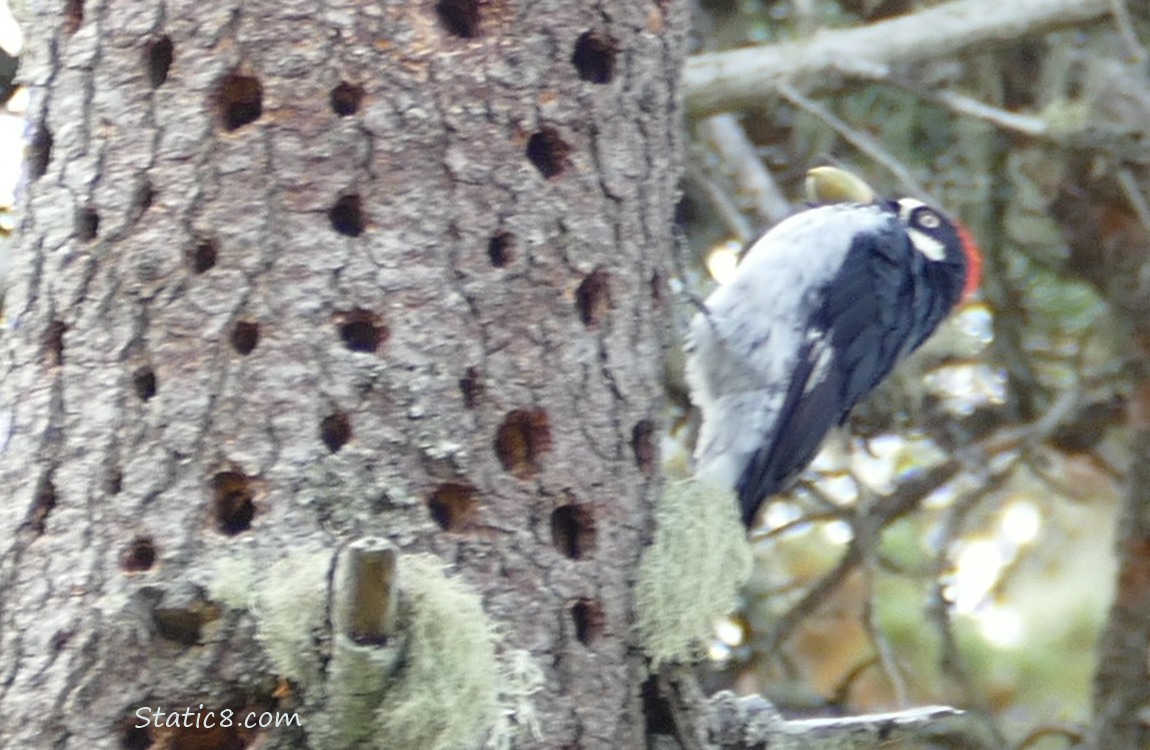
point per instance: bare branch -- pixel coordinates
(1121, 691)
(753, 722)
(887, 661)
(961, 104)
(910, 495)
(938, 610)
(725, 134)
(860, 140)
(1121, 14)
(721, 81)
(729, 214)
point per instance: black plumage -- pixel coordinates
(820, 311)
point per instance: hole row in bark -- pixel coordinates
(521, 441)
(360, 331)
(592, 297)
(239, 96)
(593, 56)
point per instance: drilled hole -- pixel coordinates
(587, 615)
(245, 337)
(660, 717)
(203, 256)
(73, 16)
(593, 297)
(158, 57)
(87, 224)
(135, 736)
(43, 502)
(115, 481)
(335, 431)
(548, 152)
(658, 288)
(471, 386)
(346, 98)
(144, 381)
(643, 446)
(594, 57)
(184, 624)
(451, 505)
(500, 248)
(459, 17)
(39, 152)
(521, 441)
(54, 343)
(60, 640)
(145, 197)
(139, 555)
(361, 330)
(233, 503)
(239, 101)
(573, 531)
(347, 216)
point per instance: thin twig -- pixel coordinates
(1121, 15)
(725, 134)
(939, 608)
(968, 106)
(725, 208)
(808, 518)
(1135, 196)
(860, 140)
(910, 495)
(886, 658)
(1072, 735)
(730, 80)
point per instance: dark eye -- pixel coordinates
(928, 219)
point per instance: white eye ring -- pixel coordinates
(928, 220)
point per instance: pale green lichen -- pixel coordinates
(437, 685)
(233, 581)
(693, 571)
(288, 601)
(290, 609)
(445, 695)
(522, 677)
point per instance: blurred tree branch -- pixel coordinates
(729, 80)
(1121, 691)
(725, 135)
(731, 722)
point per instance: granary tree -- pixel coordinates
(293, 277)
(333, 381)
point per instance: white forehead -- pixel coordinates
(908, 206)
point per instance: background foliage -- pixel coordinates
(954, 545)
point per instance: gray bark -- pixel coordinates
(290, 274)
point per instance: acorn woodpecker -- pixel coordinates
(817, 313)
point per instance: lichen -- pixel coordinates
(445, 696)
(436, 685)
(289, 605)
(693, 571)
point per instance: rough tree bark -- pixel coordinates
(291, 274)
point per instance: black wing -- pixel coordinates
(863, 323)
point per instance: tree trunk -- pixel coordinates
(292, 275)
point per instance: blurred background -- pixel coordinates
(955, 543)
